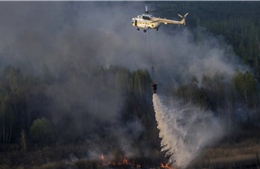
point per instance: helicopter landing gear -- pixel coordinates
(144, 30)
(156, 29)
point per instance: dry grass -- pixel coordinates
(240, 155)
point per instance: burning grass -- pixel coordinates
(125, 163)
(243, 155)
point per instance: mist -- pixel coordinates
(78, 37)
(185, 130)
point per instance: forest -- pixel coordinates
(75, 118)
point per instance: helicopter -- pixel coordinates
(147, 21)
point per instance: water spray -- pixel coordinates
(185, 130)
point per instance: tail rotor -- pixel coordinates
(183, 18)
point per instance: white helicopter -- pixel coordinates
(147, 21)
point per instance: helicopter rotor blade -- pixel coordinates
(146, 10)
(186, 15)
(180, 15)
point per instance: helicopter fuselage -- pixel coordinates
(145, 22)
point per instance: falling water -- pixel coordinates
(185, 130)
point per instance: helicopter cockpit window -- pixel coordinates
(146, 17)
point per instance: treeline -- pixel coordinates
(233, 100)
(27, 117)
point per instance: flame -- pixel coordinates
(125, 160)
(104, 160)
(166, 166)
(102, 157)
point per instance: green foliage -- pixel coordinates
(14, 94)
(246, 86)
(192, 93)
(138, 84)
(42, 132)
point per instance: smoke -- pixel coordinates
(185, 130)
(74, 38)
(75, 42)
(82, 35)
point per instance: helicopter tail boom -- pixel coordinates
(168, 21)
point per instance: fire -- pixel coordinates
(166, 166)
(125, 160)
(138, 166)
(104, 160)
(102, 157)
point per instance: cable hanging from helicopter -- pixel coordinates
(147, 21)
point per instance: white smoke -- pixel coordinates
(185, 130)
